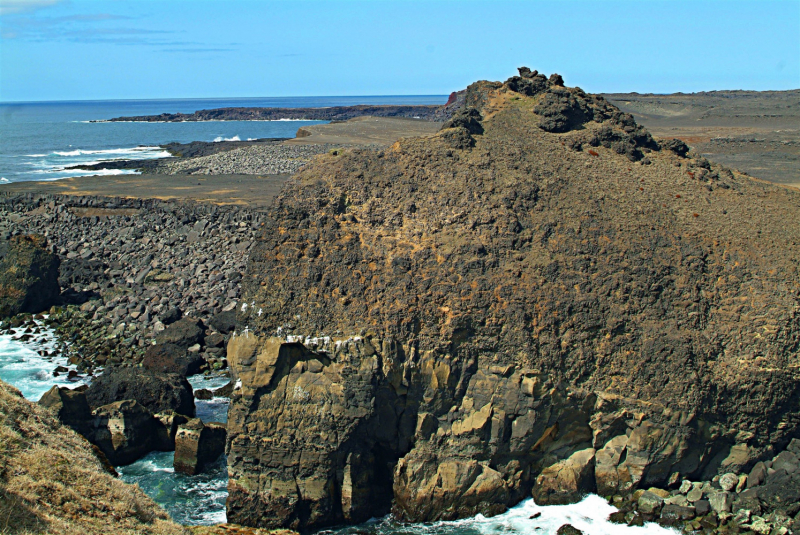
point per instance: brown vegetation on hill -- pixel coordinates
(51, 481)
(538, 299)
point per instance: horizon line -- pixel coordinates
(2, 102)
(210, 98)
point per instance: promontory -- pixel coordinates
(540, 299)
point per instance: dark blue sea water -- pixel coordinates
(38, 140)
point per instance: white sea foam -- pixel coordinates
(125, 151)
(590, 516)
(54, 165)
(220, 138)
(23, 367)
(4, 180)
(67, 173)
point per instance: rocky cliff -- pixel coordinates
(539, 299)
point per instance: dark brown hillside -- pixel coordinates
(535, 284)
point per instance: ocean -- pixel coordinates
(39, 140)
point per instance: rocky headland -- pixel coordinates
(332, 113)
(540, 300)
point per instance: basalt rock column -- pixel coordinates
(198, 444)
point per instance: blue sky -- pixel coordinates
(126, 49)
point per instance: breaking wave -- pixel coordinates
(589, 516)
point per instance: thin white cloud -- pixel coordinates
(93, 28)
(19, 6)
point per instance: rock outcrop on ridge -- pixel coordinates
(28, 275)
(539, 300)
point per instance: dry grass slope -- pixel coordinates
(51, 482)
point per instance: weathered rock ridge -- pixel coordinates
(331, 113)
(539, 299)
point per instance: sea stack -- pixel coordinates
(540, 299)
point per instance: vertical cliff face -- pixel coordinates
(538, 299)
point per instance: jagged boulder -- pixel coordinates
(71, 408)
(171, 358)
(124, 431)
(566, 481)
(197, 445)
(561, 111)
(529, 83)
(677, 146)
(28, 275)
(183, 333)
(157, 392)
(442, 327)
(224, 322)
(458, 131)
(170, 315)
(168, 430)
(467, 118)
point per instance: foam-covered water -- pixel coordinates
(54, 165)
(590, 516)
(194, 500)
(22, 366)
(214, 409)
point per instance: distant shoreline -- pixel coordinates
(331, 113)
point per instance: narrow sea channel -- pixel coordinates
(194, 500)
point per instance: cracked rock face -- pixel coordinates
(443, 329)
